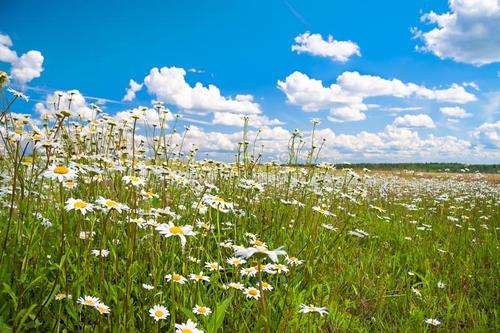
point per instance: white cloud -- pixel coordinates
(131, 90)
(24, 68)
(468, 33)
(232, 119)
(71, 100)
(168, 84)
(345, 98)
(405, 108)
(455, 112)
(488, 134)
(419, 120)
(314, 44)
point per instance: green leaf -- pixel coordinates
(218, 315)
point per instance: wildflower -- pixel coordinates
(303, 308)
(252, 292)
(148, 194)
(440, 285)
(187, 327)
(61, 296)
(358, 233)
(171, 229)
(433, 322)
(100, 253)
(265, 286)
(213, 266)
(199, 277)
(147, 286)
(89, 300)
(236, 285)
(280, 268)
(60, 172)
(250, 271)
(202, 310)
(416, 292)
(219, 203)
(256, 249)
(79, 205)
(233, 261)
(177, 278)
(159, 312)
(70, 184)
(109, 204)
(132, 180)
(102, 308)
(294, 261)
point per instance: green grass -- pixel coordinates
(421, 231)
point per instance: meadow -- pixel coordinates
(113, 225)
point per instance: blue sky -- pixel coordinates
(245, 47)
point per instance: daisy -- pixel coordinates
(171, 229)
(70, 184)
(109, 204)
(199, 277)
(233, 261)
(89, 300)
(440, 285)
(265, 286)
(60, 173)
(252, 292)
(294, 261)
(148, 194)
(213, 266)
(187, 327)
(280, 268)
(433, 322)
(102, 308)
(100, 253)
(311, 308)
(159, 312)
(61, 296)
(247, 252)
(132, 180)
(237, 285)
(147, 286)
(202, 310)
(250, 271)
(79, 205)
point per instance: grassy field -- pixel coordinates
(99, 236)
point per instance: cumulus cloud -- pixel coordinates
(315, 45)
(345, 98)
(455, 112)
(131, 90)
(71, 100)
(488, 134)
(419, 120)
(254, 120)
(468, 33)
(24, 68)
(169, 85)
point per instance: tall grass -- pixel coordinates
(370, 250)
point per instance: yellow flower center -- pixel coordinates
(199, 277)
(61, 170)
(60, 296)
(69, 183)
(88, 302)
(253, 292)
(186, 330)
(80, 204)
(260, 267)
(150, 194)
(134, 179)
(259, 243)
(294, 258)
(101, 309)
(37, 137)
(219, 200)
(111, 203)
(18, 131)
(202, 309)
(176, 277)
(176, 230)
(159, 313)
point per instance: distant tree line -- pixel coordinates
(425, 167)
